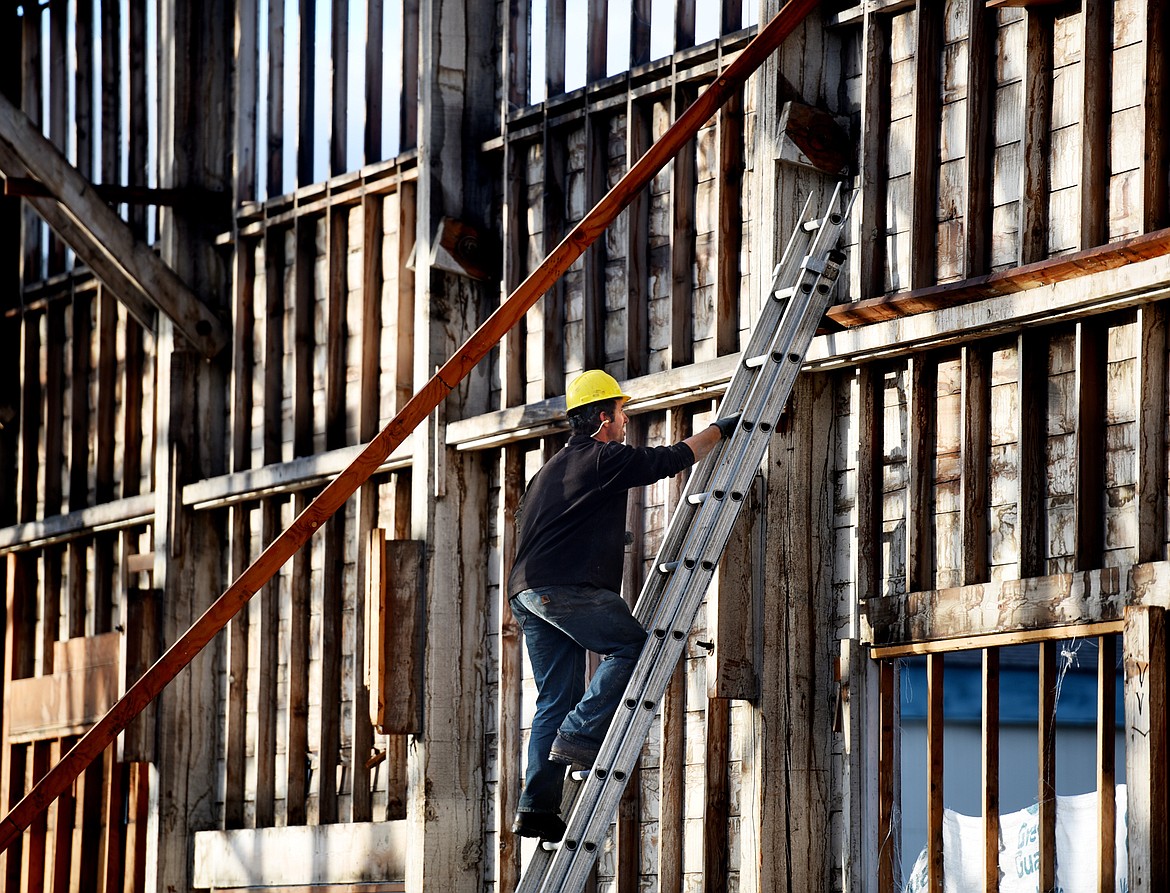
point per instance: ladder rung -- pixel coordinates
(783, 294)
(696, 498)
(811, 226)
(755, 362)
(667, 566)
(579, 774)
(549, 846)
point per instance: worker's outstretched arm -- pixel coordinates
(702, 442)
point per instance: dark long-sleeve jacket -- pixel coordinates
(573, 516)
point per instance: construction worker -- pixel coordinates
(565, 582)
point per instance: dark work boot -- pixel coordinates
(545, 825)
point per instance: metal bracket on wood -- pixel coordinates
(101, 239)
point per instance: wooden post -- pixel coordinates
(1091, 386)
(924, 163)
(797, 631)
(1037, 136)
(1146, 754)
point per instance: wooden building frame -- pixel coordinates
(242, 233)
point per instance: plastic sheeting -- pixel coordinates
(1019, 850)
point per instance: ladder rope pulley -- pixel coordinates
(697, 535)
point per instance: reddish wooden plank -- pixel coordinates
(1017, 279)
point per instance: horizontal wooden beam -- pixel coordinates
(997, 640)
(118, 194)
(102, 240)
(56, 529)
(1017, 606)
(285, 477)
(1128, 285)
(1005, 282)
(362, 852)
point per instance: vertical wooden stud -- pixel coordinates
(682, 241)
(924, 164)
(990, 768)
(1090, 484)
(637, 247)
(1106, 763)
(298, 768)
(1146, 755)
(935, 731)
(729, 234)
(1046, 760)
(554, 49)
(684, 24)
(1157, 115)
(32, 266)
(889, 836)
(594, 260)
(276, 98)
(875, 122)
(976, 445)
(372, 137)
(58, 97)
(1037, 135)
(716, 845)
(552, 230)
(516, 68)
(245, 72)
(338, 143)
(110, 145)
(83, 70)
(1151, 434)
(408, 107)
(510, 683)
(138, 135)
(923, 399)
(304, 336)
(515, 239)
(597, 37)
(1096, 56)
(1032, 425)
(980, 130)
(640, 32)
(306, 101)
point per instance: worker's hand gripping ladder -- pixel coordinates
(698, 533)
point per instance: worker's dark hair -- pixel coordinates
(587, 419)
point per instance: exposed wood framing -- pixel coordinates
(928, 27)
(1106, 763)
(1090, 444)
(934, 772)
(101, 239)
(682, 242)
(1037, 139)
(975, 437)
(1046, 760)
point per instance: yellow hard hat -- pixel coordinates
(588, 387)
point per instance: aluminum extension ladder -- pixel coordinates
(696, 537)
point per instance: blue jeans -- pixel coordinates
(560, 624)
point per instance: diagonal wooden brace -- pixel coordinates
(103, 241)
